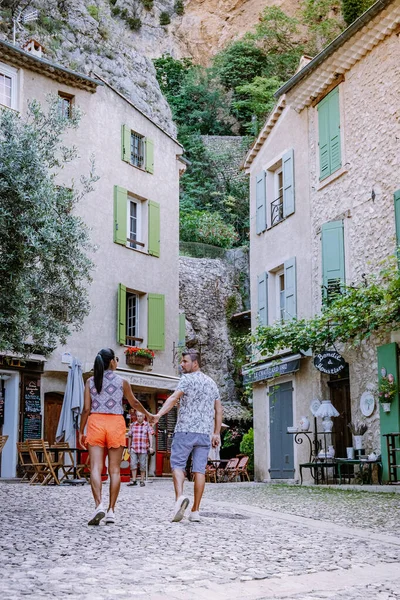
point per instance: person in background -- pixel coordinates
(198, 426)
(103, 413)
(140, 444)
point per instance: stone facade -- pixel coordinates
(359, 193)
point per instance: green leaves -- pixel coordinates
(371, 307)
(44, 266)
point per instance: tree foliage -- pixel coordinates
(208, 228)
(44, 266)
(372, 307)
(352, 9)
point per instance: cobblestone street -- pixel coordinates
(255, 541)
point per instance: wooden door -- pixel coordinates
(281, 444)
(340, 398)
(52, 410)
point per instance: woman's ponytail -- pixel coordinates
(101, 364)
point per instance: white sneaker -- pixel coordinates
(98, 515)
(110, 517)
(179, 509)
(195, 516)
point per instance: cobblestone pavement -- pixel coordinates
(255, 542)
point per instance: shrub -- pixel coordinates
(208, 228)
(148, 4)
(93, 11)
(165, 19)
(134, 23)
(247, 448)
(179, 7)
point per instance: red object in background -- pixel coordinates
(126, 473)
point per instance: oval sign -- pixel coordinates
(330, 362)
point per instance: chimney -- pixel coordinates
(33, 47)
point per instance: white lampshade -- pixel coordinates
(326, 410)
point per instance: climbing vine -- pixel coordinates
(357, 312)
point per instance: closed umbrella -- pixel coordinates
(72, 406)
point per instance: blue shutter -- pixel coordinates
(323, 138)
(262, 291)
(333, 269)
(290, 289)
(261, 203)
(288, 182)
(334, 130)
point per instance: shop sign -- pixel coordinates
(270, 370)
(329, 362)
(32, 396)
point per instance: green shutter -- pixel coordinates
(261, 202)
(323, 141)
(154, 228)
(288, 182)
(120, 215)
(156, 322)
(262, 294)
(149, 156)
(290, 289)
(330, 158)
(333, 270)
(121, 323)
(182, 329)
(389, 422)
(397, 216)
(334, 130)
(126, 143)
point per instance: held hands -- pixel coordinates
(153, 419)
(215, 440)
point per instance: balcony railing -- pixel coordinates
(277, 211)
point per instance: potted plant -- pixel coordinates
(387, 391)
(139, 356)
(358, 430)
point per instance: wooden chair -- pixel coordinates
(63, 450)
(230, 471)
(24, 461)
(211, 472)
(3, 439)
(83, 469)
(45, 466)
(242, 468)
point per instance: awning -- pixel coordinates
(271, 369)
(149, 380)
(39, 358)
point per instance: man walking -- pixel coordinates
(140, 443)
(198, 426)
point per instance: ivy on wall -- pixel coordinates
(353, 315)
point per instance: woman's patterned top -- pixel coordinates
(109, 401)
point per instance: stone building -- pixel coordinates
(133, 216)
(325, 185)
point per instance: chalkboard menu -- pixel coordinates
(1, 403)
(32, 395)
(32, 427)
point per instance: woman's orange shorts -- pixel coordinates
(107, 431)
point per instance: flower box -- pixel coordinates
(137, 356)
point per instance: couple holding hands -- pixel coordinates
(198, 427)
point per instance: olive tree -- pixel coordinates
(44, 245)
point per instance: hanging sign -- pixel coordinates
(330, 362)
(32, 395)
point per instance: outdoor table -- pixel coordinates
(220, 465)
(362, 463)
(77, 452)
(318, 466)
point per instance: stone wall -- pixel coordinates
(208, 289)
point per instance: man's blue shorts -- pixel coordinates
(183, 444)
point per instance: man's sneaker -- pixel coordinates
(132, 482)
(98, 515)
(195, 516)
(110, 517)
(142, 484)
(179, 509)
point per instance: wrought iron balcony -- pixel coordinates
(277, 210)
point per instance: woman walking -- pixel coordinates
(103, 412)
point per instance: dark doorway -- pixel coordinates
(340, 398)
(52, 410)
(280, 418)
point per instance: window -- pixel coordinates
(329, 134)
(281, 300)
(134, 310)
(277, 203)
(333, 266)
(137, 150)
(132, 318)
(8, 86)
(65, 105)
(136, 222)
(275, 192)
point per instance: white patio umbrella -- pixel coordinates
(70, 416)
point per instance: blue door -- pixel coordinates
(281, 444)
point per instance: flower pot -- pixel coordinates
(385, 406)
(135, 360)
(358, 442)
